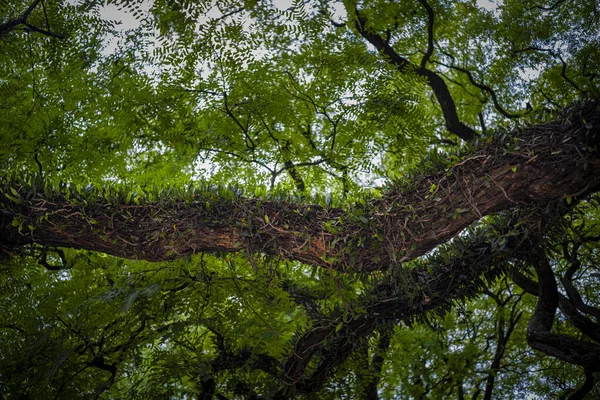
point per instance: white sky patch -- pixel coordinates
(339, 11)
(125, 18)
(123, 15)
(491, 5)
(204, 167)
(283, 5)
(530, 74)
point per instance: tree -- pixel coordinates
(264, 200)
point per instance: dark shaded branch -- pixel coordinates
(33, 28)
(437, 84)
(584, 324)
(252, 160)
(39, 164)
(567, 282)
(13, 24)
(323, 11)
(563, 73)
(228, 360)
(586, 388)
(552, 7)
(539, 329)
(527, 284)
(10, 24)
(43, 259)
(208, 386)
(295, 175)
(482, 122)
(371, 392)
(232, 361)
(98, 362)
(14, 327)
(305, 297)
(291, 167)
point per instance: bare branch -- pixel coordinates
(43, 31)
(10, 24)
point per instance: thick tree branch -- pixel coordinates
(554, 160)
(579, 321)
(10, 24)
(585, 388)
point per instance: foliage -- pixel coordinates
(286, 107)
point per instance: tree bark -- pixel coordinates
(541, 164)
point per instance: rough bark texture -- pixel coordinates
(541, 164)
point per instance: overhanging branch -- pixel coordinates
(437, 84)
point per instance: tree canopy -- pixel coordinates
(310, 199)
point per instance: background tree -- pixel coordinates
(314, 199)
